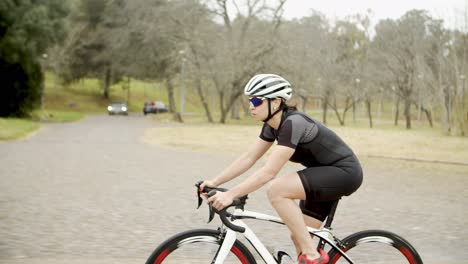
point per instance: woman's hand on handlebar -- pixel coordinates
(207, 184)
(221, 200)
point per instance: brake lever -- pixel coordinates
(212, 209)
(212, 213)
(200, 200)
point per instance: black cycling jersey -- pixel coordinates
(332, 170)
(314, 144)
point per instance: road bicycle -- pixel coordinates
(222, 245)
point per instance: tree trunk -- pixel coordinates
(222, 119)
(225, 111)
(346, 108)
(235, 110)
(335, 108)
(203, 100)
(178, 117)
(380, 106)
(354, 109)
(170, 94)
(397, 111)
(339, 117)
(428, 115)
(199, 85)
(447, 108)
(107, 80)
(245, 107)
(233, 96)
(304, 103)
(408, 112)
(369, 112)
(325, 109)
(427, 112)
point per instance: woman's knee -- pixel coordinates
(288, 186)
(273, 190)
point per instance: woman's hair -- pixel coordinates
(288, 107)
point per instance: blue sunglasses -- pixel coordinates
(256, 101)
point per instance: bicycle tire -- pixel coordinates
(386, 247)
(162, 254)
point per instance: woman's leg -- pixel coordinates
(282, 192)
(311, 222)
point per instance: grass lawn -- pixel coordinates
(86, 96)
(418, 144)
(56, 116)
(14, 128)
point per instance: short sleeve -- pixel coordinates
(267, 133)
(288, 135)
(295, 130)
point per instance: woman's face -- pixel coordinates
(259, 107)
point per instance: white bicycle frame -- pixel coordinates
(231, 236)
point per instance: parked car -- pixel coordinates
(117, 108)
(154, 107)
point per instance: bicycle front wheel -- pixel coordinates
(376, 247)
(198, 246)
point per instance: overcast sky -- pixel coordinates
(446, 9)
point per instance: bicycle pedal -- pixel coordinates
(283, 257)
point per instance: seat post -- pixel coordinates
(331, 214)
(328, 223)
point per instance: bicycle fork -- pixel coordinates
(230, 238)
(228, 241)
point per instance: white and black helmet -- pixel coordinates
(268, 86)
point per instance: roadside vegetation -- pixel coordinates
(415, 64)
(13, 128)
(423, 145)
(79, 55)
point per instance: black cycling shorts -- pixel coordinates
(326, 184)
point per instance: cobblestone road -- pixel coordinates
(93, 192)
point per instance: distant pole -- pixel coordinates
(128, 91)
(420, 77)
(44, 56)
(393, 100)
(355, 99)
(55, 79)
(319, 93)
(182, 82)
(463, 78)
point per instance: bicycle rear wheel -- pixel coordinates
(376, 247)
(198, 246)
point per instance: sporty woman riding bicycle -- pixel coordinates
(332, 170)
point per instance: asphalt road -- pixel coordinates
(94, 192)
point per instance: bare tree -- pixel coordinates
(351, 55)
(94, 45)
(242, 48)
(401, 49)
(300, 53)
(154, 43)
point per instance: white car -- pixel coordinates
(117, 108)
